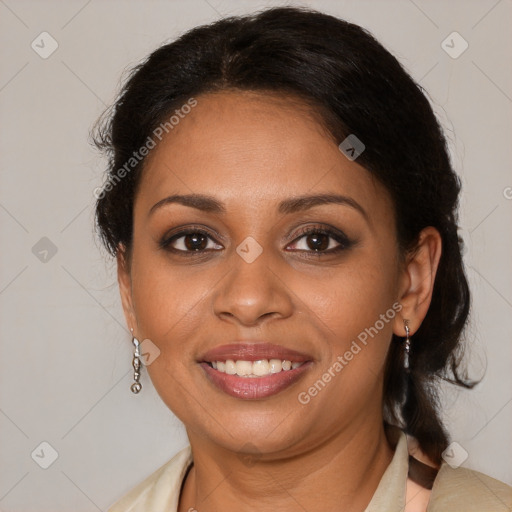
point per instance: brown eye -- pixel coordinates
(190, 241)
(321, 240)
(195, 242)
(317, 241)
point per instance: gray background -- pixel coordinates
(66, 352)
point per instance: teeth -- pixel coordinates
(230, 367)
(260, 368)
(254, 368)
(243, 368)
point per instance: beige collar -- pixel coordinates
(390, 493)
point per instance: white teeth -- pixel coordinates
(275, 365)
(230, 367)
(258, 368)
(243, 368)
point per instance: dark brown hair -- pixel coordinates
(358, 88)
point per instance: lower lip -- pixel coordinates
(251, 388)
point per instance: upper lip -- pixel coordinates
(254, 351)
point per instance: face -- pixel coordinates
(255, 272)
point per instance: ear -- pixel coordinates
(417, 281)
(125, 287)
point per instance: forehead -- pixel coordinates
(249, 148)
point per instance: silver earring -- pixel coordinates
(407, 346)
(136, 386)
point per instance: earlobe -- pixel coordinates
(125, 287)
(417, 281)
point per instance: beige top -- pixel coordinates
(454, 490)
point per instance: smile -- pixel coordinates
(256, 387)
(253, 369)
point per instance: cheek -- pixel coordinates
(170, 308)
(169, 302)
(355, 310)
(350, 298)
(353, 306)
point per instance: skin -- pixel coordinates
(250, 151)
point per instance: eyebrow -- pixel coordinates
(209, 204)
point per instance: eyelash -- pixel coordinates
(343, 241)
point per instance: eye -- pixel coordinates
(192, 240)
(314, 240)
(321, 241)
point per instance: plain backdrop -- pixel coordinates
(66, 354)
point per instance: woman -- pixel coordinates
(282, 208)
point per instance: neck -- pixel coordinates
(346, 468)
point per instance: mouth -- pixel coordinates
(259, 368)
(253, 371)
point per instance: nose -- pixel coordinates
(252, 292)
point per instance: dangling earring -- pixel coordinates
(136, 386)
(407, 346)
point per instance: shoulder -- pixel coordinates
(160, 490)
(465, 490)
